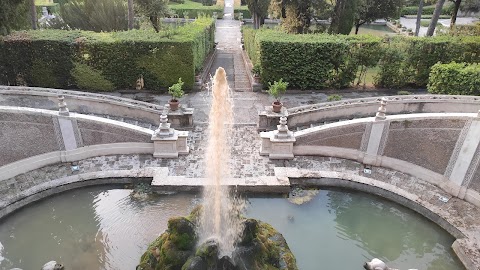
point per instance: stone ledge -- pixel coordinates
(39, 161)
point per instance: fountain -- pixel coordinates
(215, 235)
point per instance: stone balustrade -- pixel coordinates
(99, 104)
(366, 107)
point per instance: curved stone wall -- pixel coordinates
(33, 138)
(367, 107)
(442, 149)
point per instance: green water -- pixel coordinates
(104, 228)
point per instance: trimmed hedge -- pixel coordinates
(195, 10)
(245, 12)
(310, 61)
(427, 10)
(46, 58)
(407, 60)
(455, 79)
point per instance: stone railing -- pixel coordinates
(99, 104)
(366, 107)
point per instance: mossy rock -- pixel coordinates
(173, 248)
(263, 247)
(260, 247)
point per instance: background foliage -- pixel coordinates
(407, 61)
(58, 58)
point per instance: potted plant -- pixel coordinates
(276, 90)
(176, 91)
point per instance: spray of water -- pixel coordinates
(220, 218)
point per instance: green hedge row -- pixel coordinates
(322, 61)
(455, 79)
(407, 61)
(427, 10)
(195, 10)
(114, 60)
(310, 61)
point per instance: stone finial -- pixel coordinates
(164, 129)
(282, 131)
(382, 109)
(62, 106)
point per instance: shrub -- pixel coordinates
(176, 90)
(334, 97)
(93, 15)
(403, 93)
(87, 78)
(277, 89)
(455, 79)
(120, 57)
(427, 10)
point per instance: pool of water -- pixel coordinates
(105, 228)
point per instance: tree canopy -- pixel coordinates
(370, 10)
(13, 15)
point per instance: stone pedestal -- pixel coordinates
(183, 117)
(168, 142)
(278, 144)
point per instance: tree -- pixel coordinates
(368, 11)
(153, 10)
(343, 16)
(435, 16)
(33, 14)
(13, 15)
(259, 11)
(419, 18)
(130, 14)
(296, 14)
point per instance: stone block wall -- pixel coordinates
(345, 137)
(427, 143)
(97, 133)
(26, 135)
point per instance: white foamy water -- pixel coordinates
(1, 252)
(220, 218)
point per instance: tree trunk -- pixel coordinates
(435, 16)
(357, 26)
(453, 20)
(154, 21)
(419, 18)
(130, 14)
(33, 14)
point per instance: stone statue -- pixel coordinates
(377, 264)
